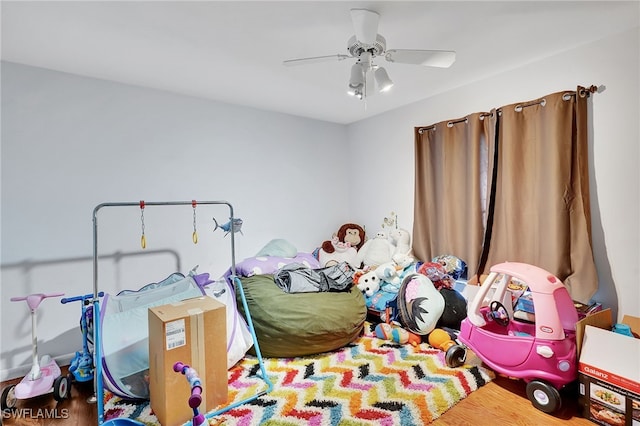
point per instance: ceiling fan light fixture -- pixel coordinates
(383, 80)
(365, 46)
(355, 91)
(356, 82)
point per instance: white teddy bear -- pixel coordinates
(376, 251)
(402, 240)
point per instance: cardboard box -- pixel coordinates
(193, 332)
(609, 371)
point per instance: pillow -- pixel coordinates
(278, 247)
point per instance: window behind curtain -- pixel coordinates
(537, 206)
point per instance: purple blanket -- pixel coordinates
(269, 265)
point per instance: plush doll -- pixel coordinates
(402, 336)
(454, 266)
(376, 251)
(343, 252)
(348, 233)
(368, 282)
(396, 334)
(402, 241)
(437, 274)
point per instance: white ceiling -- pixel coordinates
(233, 51)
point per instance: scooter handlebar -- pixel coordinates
(195, 399)
(36, 296)
(78, 298)
(33, 300)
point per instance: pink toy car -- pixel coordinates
(541, 351)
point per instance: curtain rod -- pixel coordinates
(586, 91)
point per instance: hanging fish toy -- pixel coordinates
(236, 224)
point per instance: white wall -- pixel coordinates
(70, 143)
(385, 145)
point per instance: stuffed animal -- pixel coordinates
(389, 274)
(368, 282)
(403, 260)
(396, 334)
(348, 233)
(392, 273)
(402, 241)
(343, 252)
(376, 251)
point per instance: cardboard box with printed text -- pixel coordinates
(609, 371)
(193, 332)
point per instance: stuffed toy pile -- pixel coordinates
(383, 262)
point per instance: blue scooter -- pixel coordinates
(82, 366)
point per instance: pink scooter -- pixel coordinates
(45, 374)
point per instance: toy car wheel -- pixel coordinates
(543, 396)
(9, 399)
(455, 356)
(61, 388)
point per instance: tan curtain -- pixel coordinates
(541, 211)
(450, 183)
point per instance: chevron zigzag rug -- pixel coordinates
(368, 382)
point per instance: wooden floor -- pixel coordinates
(501, 402)
(504, 402)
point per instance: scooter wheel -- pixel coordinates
(61, 388)
(9, 399)
(455, 356)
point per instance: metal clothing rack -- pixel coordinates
(98, 380)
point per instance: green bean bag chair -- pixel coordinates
(296, 324)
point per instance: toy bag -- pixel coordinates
(124, 326)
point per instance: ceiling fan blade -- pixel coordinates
(365, 24)
(314, 59)
(428, 58)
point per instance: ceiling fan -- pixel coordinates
(366, 45)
